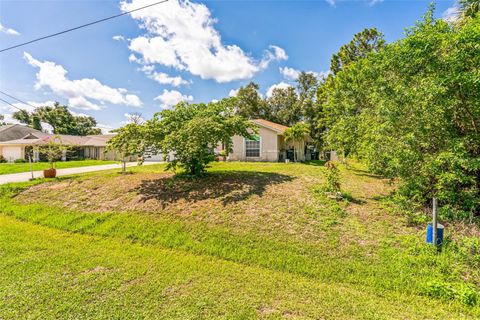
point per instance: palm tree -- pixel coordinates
(295, 133)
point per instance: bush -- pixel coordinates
(20, 161)
(333, 178)
(464, 293)
(2, 159)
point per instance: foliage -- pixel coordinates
(60, 118)
(2, 118)
(249, 103)
(296, 133)
(20, 160)
(284, 107)
(411, 110)
(363, 43)
(192, 131)
(332, 177)
(129, 141)
(2, 159)
(53, 150)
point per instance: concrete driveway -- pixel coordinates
(25, 176)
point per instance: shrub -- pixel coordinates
(332, 178)
(2, 159)
(20, 161)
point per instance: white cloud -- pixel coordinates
(281, 85)
(162, 77)
(8, 31)
(451, 14)
(292, 74)
(78, 92)
(289, 73)
(172, 97)
(104, 127)
(118, 38)
(181, 34)
(233, 93)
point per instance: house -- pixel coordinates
(269, 145)
(15, 139)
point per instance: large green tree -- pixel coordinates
(364, 42)
(60, 118)
(284, 106)
(191, 132)
(250, 104)
(412, 111)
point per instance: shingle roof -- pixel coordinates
(35, 137)
(15, 131)
(280, 128)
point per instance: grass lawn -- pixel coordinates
(248, 240)
(6, 168)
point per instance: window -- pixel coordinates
(252, 147)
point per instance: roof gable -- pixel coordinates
(279, 128)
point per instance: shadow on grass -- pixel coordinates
(350, 198)
(229, 186)
(365, 173)
(318, 163)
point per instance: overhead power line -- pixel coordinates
(11, 104)
(82, 26)
(21, 101)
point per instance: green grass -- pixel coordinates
(246, 241)
(6, 168)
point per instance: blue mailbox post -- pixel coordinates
(439, 234)
(434, 229)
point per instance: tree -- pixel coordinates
(364, 42)
(250, 104)
(296, 133)
(54, 150)
(468, 9)
(61, 120)
(307, 86)
(192, 131)
(284, 106)
(129, 141)
(412, 111)
(2, 118)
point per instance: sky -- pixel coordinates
(195, 51)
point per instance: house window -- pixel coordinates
(252, 147)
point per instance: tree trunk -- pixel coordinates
(124, 165)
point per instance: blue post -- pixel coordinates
(440, 229)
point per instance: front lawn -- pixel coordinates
(6, 168)
(248, 240)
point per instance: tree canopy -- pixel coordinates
(61, 120)
(412, 110)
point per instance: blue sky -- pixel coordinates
(196, 51)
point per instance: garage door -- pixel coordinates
(12, 153)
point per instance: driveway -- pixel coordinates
(25, 176)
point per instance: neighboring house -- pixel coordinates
(268, 145)
(14, 139)
(14, 131)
